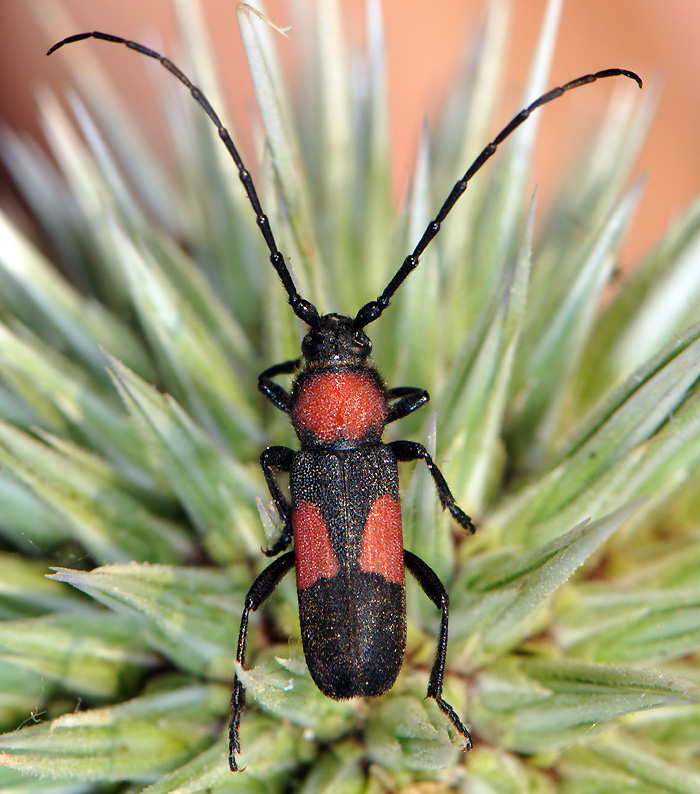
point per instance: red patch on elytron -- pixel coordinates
(382, 540)
(312, 545)
(334, 404)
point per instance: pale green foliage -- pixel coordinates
(130, 427)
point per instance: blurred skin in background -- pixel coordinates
(425, 42)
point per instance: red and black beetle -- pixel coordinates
(345, 514)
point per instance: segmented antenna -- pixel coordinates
(303, 309)
(372, 310)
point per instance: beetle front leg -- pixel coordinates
(409, 450)
(408, 399)
(261, 589)
(281, 459)
(435, 590)
(277, 395)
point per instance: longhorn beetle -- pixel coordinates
(345, 514)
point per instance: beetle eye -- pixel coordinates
(362, 341)
(310, 343)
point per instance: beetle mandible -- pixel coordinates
(345, 513)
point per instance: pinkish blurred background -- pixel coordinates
(424, 40)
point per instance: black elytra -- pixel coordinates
(345, 515)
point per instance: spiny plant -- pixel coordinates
(131, 429)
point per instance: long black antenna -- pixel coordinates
(372, 310)
(304, 310)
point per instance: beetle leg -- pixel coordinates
(409, 450)
(261, 589)
(408, 399)
(435, 590)
(279, 458)
(275, 393)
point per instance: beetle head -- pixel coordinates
(335, 340)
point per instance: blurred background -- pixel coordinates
(425, 43)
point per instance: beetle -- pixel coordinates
(344, 516)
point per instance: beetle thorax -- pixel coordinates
(339, 407)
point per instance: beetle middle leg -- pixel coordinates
(409, 450)
(279, 458)
(435, 590)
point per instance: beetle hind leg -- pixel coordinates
(435, 590)
(260, 590)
